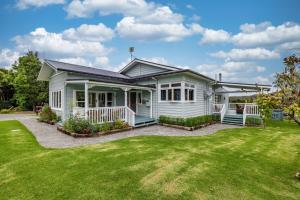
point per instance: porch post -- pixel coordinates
(125, 104)
(86, 98)
(151, 109)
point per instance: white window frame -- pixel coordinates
(182, 87)
(189, 87)
(56, 99)
(97, 97)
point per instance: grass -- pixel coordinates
(247, 163)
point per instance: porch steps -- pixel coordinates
(233, 120)
(141, 121)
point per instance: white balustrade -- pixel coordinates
(250, 109)
(99, 115)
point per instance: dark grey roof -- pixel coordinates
(171, 72)
(112, 81)
(83, 69)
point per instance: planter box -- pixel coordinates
(187, 127)
(77, 135)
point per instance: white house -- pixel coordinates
(139, 93)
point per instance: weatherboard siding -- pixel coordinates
(185, 109)
(56, 83)
(143, 69)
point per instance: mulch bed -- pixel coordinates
(77, 135)
(187, 127)
(47, 122)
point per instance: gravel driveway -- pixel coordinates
(48, 136)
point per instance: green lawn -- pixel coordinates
(247, 163)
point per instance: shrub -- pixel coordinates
(79, 125)
(253, 121)
(216, 117)
(48, 115)
(5, 111)
(190, 122)
(119, 124)
(106, 126)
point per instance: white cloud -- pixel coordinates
(8, 57)
(24, 4)
(77, 61)
(86, 8)
(53, 44)
(266, 34)
(189, 6)
(247, 54)
(214, 36)
(294, 46)
(160, 60)
(129, 27)
(260, 69)
(195, 18)
(234, 71)
(88, 32)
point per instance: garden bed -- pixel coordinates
(98, 134)
(187, 127)
(46, 121)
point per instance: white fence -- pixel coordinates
(216, 108)
(99, 115)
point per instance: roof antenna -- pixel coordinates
(131, 50)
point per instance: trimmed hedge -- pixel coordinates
(253, 121)
(188, 122)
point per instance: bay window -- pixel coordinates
(173, 92)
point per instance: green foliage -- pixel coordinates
(189, 122)
(48, 115)
(289, 84)
(79, 125)
(28, 90)
(266, 103)
(119, 124)
(253, 121)
(216, 117)
(106, 126)
(5, 111)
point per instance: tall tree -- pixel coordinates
(6, 89)
(28, 90)
(289, 84)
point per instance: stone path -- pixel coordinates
(49, 137)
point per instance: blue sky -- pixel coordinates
(244, 40)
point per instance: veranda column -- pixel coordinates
(125, 104)
(86, 99)
(151, 108)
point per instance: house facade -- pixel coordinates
(138, 94)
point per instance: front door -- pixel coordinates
(132, 101)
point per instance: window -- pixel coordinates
(189, 92)
(173, 92)
(79, 99)
(170, 92)
(218, 98)
(56, 99)
(92, 99)
(106, 99)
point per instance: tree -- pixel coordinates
(288, 83)
(28, 90)
(6, 89)
(266, 103)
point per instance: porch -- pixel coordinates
(235, 113)
(100, 102)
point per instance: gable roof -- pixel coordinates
(136, 60)
(146, 76)
(83, 69)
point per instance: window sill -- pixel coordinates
(176, 101)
